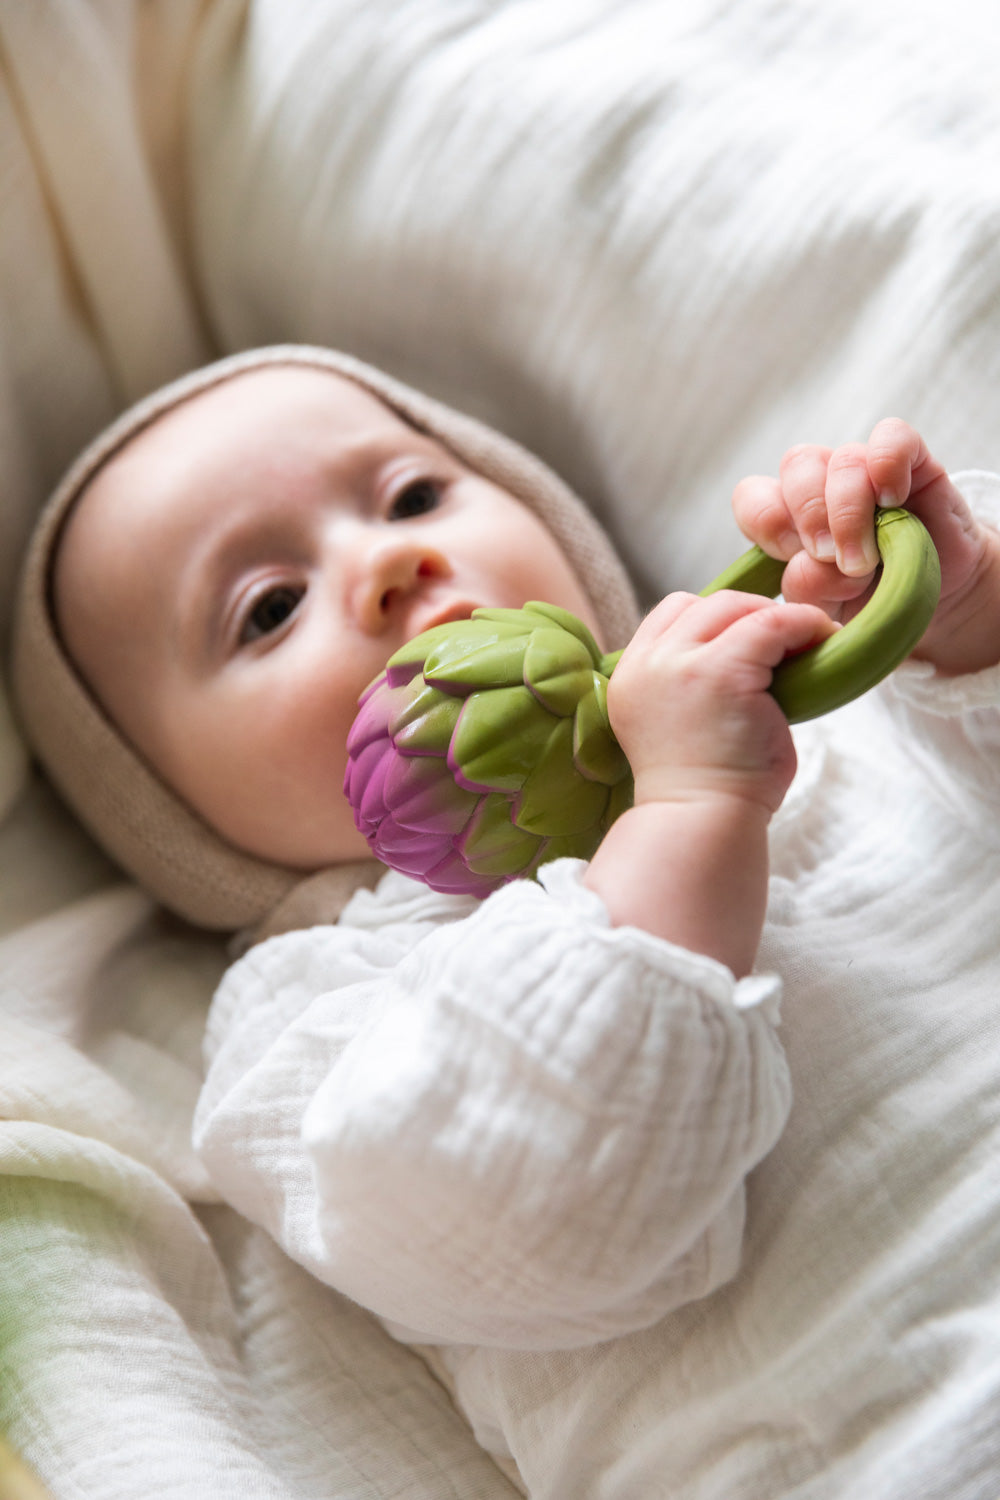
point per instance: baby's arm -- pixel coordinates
(525, 1127)
(818, 514)
(531, 1127)
(712, 758)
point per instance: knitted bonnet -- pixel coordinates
(136, 817)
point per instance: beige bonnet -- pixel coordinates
(135, 817)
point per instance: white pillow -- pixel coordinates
(658, 243)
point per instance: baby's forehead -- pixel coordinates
(258, 405)
(245, 418)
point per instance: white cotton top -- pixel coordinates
(559, 1155)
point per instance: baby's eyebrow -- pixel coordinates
(236, 542)
(365, 453)
(264, 524)
(202, 589)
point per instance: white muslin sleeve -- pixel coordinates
(524, 1128)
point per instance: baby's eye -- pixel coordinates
(270, 611)
(415, 499)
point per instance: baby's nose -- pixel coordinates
(396, 574)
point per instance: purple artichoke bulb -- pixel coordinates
(484, 750)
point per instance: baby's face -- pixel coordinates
(234, 578)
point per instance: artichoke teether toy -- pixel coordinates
(484, 748)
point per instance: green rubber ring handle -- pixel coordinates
(871, 645)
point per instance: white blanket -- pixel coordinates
(658, 243)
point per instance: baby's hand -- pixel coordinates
(818, 514)
(689, 699)
(712, 756)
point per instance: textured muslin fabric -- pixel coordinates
(522, 1136)
(118, 796)
(508, 1123)
(656, 244)
(660, 243)
(134, 1303)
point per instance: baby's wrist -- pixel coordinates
(711, 817)
(693, 872)
(719, 795)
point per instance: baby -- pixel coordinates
(520, 1131)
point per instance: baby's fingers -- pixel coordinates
(763, 516)
(899, 461)
(830, 498)
(803, 484)
(682, 621)
(806, 581)
(765, 637)
(850, 504)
